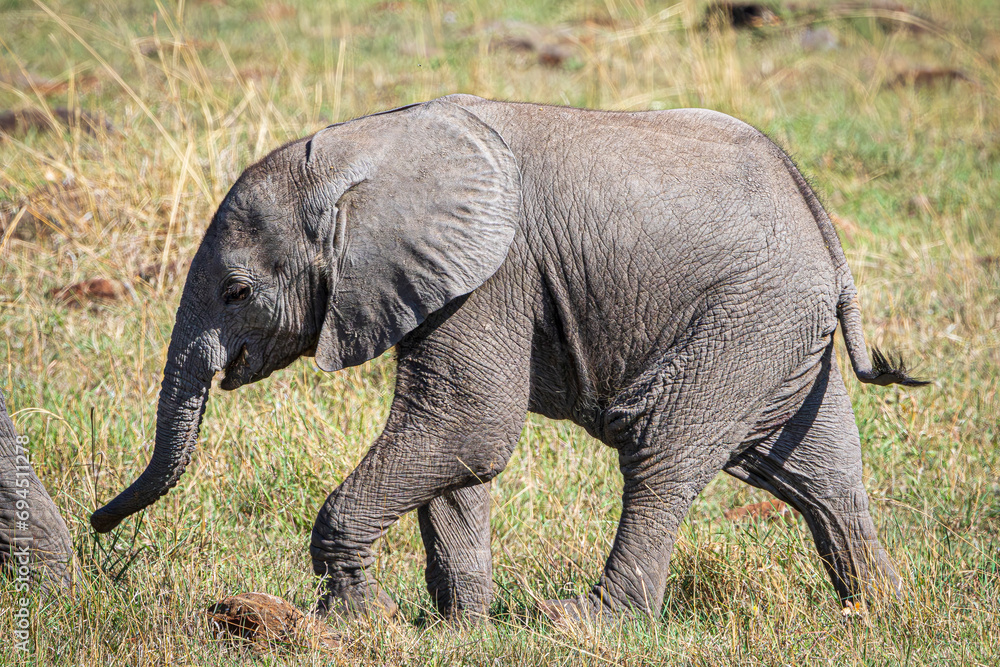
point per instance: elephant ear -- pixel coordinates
(426, 205)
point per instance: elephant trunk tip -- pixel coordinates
(141, 494)
(104, 520)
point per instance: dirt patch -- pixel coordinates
(55, 206)
(925, 77)
(49, 87)
(740, 15)
(93, 291)
(21, 121)
(769, 510)
(549, 47)
(268, 622)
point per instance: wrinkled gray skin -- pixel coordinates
(667, 280)
(49, 550)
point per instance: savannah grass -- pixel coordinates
(199, 90)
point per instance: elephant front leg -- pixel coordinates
(384, 486)
(341, 549)
(456, 416)
(397, 475)
(455, 528)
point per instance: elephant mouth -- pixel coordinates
(242, 370)
(239, 373)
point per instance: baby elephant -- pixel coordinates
(666, 280)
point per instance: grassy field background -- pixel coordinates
(892, 114)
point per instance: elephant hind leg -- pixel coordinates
(675, 428)
(814, 463)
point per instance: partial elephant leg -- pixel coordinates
(455, 528)
(814, 464)
(458, 410)
(674, 435)
(33, 536)
(657, 496)
(400, 473)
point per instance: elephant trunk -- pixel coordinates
(183, 395)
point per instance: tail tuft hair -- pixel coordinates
(886, 371)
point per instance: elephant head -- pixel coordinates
(336, 246)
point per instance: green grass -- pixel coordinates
(198, 92)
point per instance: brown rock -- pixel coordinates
(270, 622)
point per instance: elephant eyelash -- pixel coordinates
(237, 292)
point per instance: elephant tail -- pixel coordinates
(885, 370)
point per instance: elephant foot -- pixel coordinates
(359, 601)
(856, 614)
(463, 602)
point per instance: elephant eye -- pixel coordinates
(236, 292)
